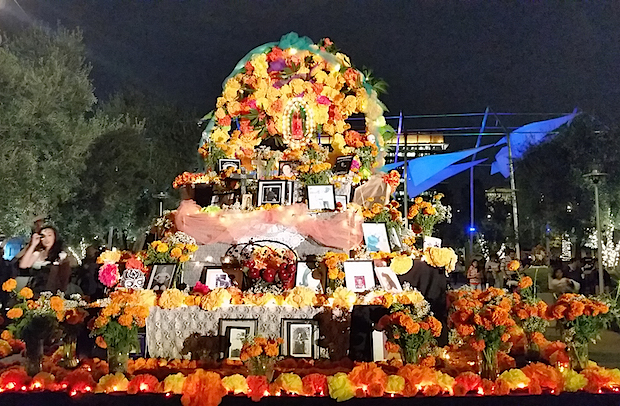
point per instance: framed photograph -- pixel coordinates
(162, 276)
(395, 240)
(223, 164)
(375, 237)
(290, 190)
(233, 332)
(304, 277)
(215, 277)
(321, 197)
(342, 165)
(388, 279)
(343, 200)
(300, 338)
(271, 191)
(246, 201)
(432, 242)
(287, 168)
(359, 276)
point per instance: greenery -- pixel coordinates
(49, 122)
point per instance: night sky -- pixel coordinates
(437, 57)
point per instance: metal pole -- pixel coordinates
(471, 186)
(599, 243)
(513, 192)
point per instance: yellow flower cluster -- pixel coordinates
(126, 308)
(301, 296)
(334, 262)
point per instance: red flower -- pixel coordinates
(275, 54)
(314, 384)
(259, 387)
(142, 383)
(78, 381)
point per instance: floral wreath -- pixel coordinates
(294, 76)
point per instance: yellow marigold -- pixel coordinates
(340, 387)
(154, 244)
(101, 321)
(147, 298)
(110, 257)
(26, 293)
(395, 384)
(171, 299)
(418, 200)
(162, 247)
(15, 313)
(214, 299)
(401, 264)
(235, 384)
(6, 335)
(112, 383)
(176, 252)
(344, 297)
(290, 383)
(192, 247)
(57, 304)
(111, 310)
(332, 273)
(513, 265)
(184, 258)
(174, 383)
(300, 296)
(409, 297)
(9, 285)
(376, 208)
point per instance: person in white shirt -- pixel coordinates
(560, 284)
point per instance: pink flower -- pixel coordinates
(323, 100)
(201, 288)
(108, 274)
(355, 164)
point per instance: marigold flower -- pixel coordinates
(513, 265)
(125, 320)
(9, 285)
(176, 252)
(15, 313)
(525, 282)
(100, 341)
(26, 293)
(162, 247)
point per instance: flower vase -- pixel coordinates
(117, 359)
(578, 353)
(34, 355)
(410, 355)
(69, 352)
(488, 364)
(264, 366)
(532, 349)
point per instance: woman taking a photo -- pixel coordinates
(47, 262)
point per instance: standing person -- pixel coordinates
(493, 275)
(474, 275)
(48, 263)
(88, 274)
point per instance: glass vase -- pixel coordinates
(410, 355)
(34, 356)
(117, 359)
(578, 353)
(488, 364)
(69, 352)
(264, 366)
(532, 350)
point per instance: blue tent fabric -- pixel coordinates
(426, 167)
(414, 189)
(524, 137)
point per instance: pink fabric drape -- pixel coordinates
(341, 230)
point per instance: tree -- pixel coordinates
(48, 122)
(551, 187)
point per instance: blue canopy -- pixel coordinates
(414, 190)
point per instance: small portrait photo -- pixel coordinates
(388, 279)
(161, 277)
(321, 197)
(216, 278)
(224, 164)
(342, 165)
(300, 338)
(233, 332)
(287, 168)
(375, 237)
(359, 276)
(236, 337)
(304, 277)
(272, 192)
(343, 200)
(360, 282)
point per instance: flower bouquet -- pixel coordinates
(334, 261)
(427, 213)
(116, 326)
(175, 249)
(411, 329)
(259, 355)
(482, 318)
(33, 321)
(531, 314)
(581, 319)
(114, 261)
(269, 266)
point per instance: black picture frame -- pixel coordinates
(343, 164)
(271, 191)
(224, 163)
(321, 197)
(217, 271)
(157, 281)
(304, 347)
(227, 327)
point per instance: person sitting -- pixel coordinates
(560, 284)
(47, 262)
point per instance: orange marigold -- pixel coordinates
(525, 282)
(57, 304)
(15, 313)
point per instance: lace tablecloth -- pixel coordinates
(166, 330)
